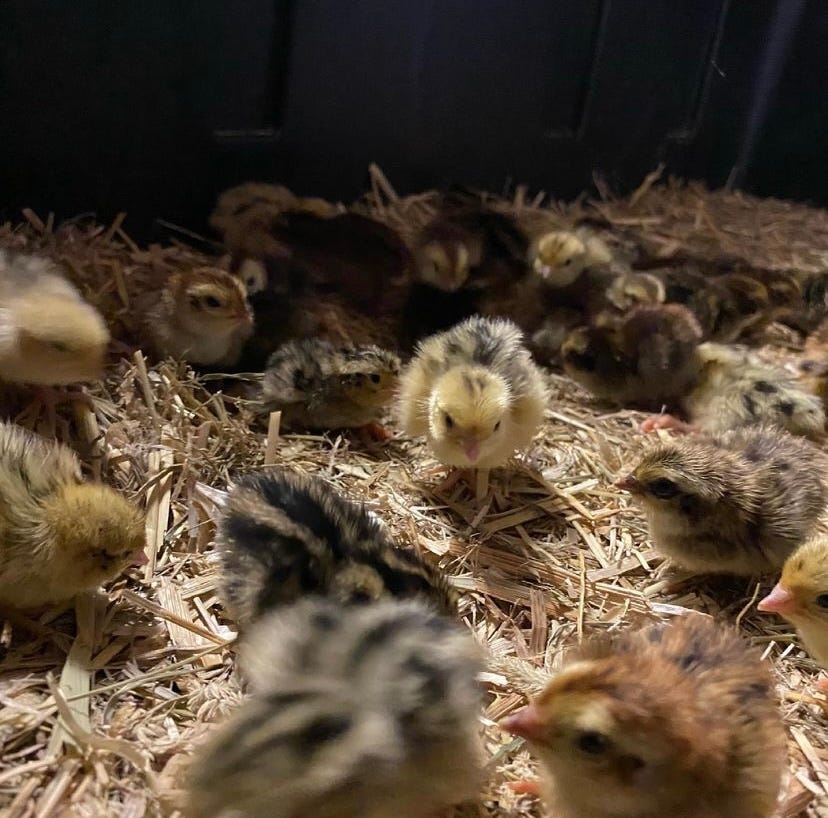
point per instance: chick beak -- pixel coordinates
(472, 449)
(628, 483)
(140, 558)
(525, 723)
(780, 600)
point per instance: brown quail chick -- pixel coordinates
(734, 503)
(367, 712)
(743, 306)
(645, 358)
(813, 365)
(319, 385)
(59, 536)
(283, 536)
(812, 309)
(673, 720)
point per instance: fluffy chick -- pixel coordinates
(474, 392)
(48, 334)
(742, 304)
(560, 256)
(677, 720)
(629, 289)
(646, 358)
(735, 503)
(283, 535)
(319, 385)
(801, 596)
(368, 712)
(813, 365)
(59, 536)
(201, 315)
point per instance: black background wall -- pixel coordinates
(155, 106)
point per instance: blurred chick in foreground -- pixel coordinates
(645, 358)
(673, 720)
(201, 315)
(283, 536)
(319, 385)
(801, 596)
(474, 392)
(59, 536)
(49, 335)
(735, 503)
(368, 712)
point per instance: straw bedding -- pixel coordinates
(102, 705)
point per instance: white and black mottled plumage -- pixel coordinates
(284, 535)
(358, 711)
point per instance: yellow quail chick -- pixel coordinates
(801, 596)
(283, 535)
(49, 335)
(560, 256)
(735, 503)
(630, 289)
(474, 392)
(201, 315)
(673, 720)
(366, 712)
(320, 385)
(645, 358)
(59, 536)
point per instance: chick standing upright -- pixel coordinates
(283, 536)
(59, 536)
(735, 503)
(49, 336)
(368, 712)
(677, 720)
(474, 392)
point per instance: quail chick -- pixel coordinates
(813, 365)
(284, 535)
(318, 385)
(630, 289)
(644, 358)
(49, 335)
(59, 536)
(201, 315)
(677, 720)
(742, 305)
(368, 712)
(735, 503)
(801, 596)
(560, 256)
(474, 392)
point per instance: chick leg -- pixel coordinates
(526, 787)
(655, 422)
(376, 432)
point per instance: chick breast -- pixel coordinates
(284, 535)
(369, 711)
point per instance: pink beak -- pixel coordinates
(525, 723)
(472, 450)
(140, 558)
(628, 483)
(780, 600)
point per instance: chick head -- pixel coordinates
(97, 534)
(587, 348)
(376, 379)
(467, 412)
(558, 257)
(253, 274)
(629, 289)
(60, 340)
(212, 303)
(444, 264)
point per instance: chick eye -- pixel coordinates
(497, 426)
(822, 601)
(592, 742)
(59, 346)
(663, 488)
(449, 421)
(212, 302)
(375, 378)
(568, 262)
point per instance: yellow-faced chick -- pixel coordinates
(283, 536)
(201, 315)
(49, 335)
(320, 385)
(735, 388)
(801, 596)
(735, 503)
(560, 256)
(673, 720)
(644, 358)
(630, 289)
(59, 536)
(474, 392)
(366, 712)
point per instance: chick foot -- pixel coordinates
(656, 422)
(525, 787)
(376, 433)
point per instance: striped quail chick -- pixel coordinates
(283, 536)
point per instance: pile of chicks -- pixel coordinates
(362, 693)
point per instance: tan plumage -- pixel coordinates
(201, 315)
(677, 720)
(283, 535)
(320, 385)
(368, 712)
(49, 335)
(629, 289)
(58, 535)
(474, 393)
(735, 503)
(560, 256)
(801, 596)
